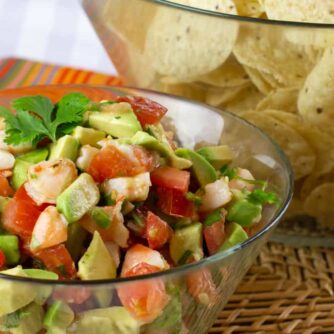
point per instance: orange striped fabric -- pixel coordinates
(20, 72)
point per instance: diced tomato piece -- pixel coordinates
(5, 188)
(158, 232)
(49, 230)
(174, 203)
(58, 260)
(110, 163)
(171, 178)
(19, 218)
(214, 236)
(145, 300)
(146, 110)
(22, 195)
(72, 295)
(2, 259)
(202, 287)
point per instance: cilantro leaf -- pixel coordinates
(262, 197)
(70, 112)
(39, 105)
(229, 172)
(37, 118)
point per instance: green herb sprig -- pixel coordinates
(38, 118)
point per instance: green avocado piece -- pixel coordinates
(187, 240)
(28, 320)
(171, 317)
(107, 320)
(9, 244)
(100, 217)
(17, 294)
(22, 164)
(235, 235)
(203, 170)
(3, 202)
(118, 120)
(42, 292)
(144, 139)
(58, 317)
(244, 212)
(88, 136)
(41, 274)
(65, 147)
(80, 197)
(76, 237)
(218, 156)
(96, 263)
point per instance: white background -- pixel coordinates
(54, 31)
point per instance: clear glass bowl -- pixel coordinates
(94, 305)
(278, 75)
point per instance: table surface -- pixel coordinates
(288, 290)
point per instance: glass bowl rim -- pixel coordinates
(235, 17)
(187, 267)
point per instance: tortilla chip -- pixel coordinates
(280, 99)
(247, 99)
(296, 148)
(217, 97)
(178, 43)
(251, 8)
(316, 99)
(265, 48)
(230, 74)
(319, 204)
(321, 143)
(300, 10)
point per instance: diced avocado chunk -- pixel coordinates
(144, 139)
(58, 317)
(187, 240)
(88, 136)
(28, 320)
(80, 197)
(35, 156)
(203, 170)
(218, 156)
(22, 164)
(107, 320)
(65, 147)
(118, 120)
(96, 263)
(9, 244)
(100, 217)
(3, 202)
(171, 317)
(245, 212)
(41, 274)
(76, 237)
(235, 235)
(17, 294)
(43, 292)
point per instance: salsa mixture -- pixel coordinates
(100, 190)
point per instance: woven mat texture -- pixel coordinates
(288, 290)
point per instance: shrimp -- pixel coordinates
(7, 160)
(241, 184)
(216, 195)
(138, 254)
(17, 149)
(48, 179)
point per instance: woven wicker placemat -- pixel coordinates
(288, 290)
